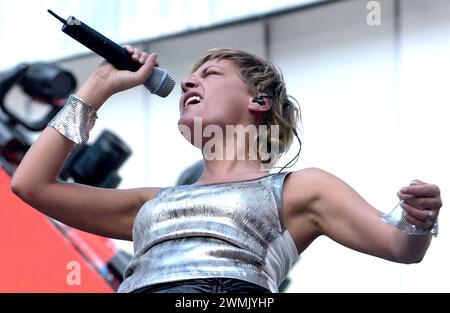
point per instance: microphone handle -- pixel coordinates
(106, 48)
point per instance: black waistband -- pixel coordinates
(208, 285)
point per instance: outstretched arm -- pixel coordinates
(343, 215)
(100, 211)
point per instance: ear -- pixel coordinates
(260, 104)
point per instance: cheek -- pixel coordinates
(233, 109)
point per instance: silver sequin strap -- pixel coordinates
(75, 120)
(397, 218)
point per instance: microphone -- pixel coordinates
(159, 82)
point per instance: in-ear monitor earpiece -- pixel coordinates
(259, 98)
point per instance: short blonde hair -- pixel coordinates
(262, 76)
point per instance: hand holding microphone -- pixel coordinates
(109, 80)
(159, 82)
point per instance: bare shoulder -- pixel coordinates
(304, 186)
(312, 183)
(311, 173)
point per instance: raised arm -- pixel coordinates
(105, 212)
(340, 213)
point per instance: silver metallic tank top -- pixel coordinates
(230, 230)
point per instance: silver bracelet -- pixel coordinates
(397, 218)
(75, 120)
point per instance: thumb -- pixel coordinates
(146, 69)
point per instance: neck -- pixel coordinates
(231, 170)
(230, 160)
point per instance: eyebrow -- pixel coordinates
(219, 67)
(202, 72)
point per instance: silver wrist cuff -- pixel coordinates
(397, 218)
(75, 120)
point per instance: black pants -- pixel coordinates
(208, 285)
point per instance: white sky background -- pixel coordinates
(29, 33)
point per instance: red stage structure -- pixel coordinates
(38, 254)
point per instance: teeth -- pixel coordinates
(192, 99)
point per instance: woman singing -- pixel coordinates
(238, 228)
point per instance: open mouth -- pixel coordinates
(192, 100)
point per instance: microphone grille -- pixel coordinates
(160, 82)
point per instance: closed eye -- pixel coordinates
(209, 72)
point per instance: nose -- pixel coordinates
(189, 83)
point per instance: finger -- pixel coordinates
(423, 190)
(129, 49)
(417, 182)
(146, 69)
(422, 215)
(137, 54)
(418, 223)
(404, 196)
(143, 57)
(424, 203)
